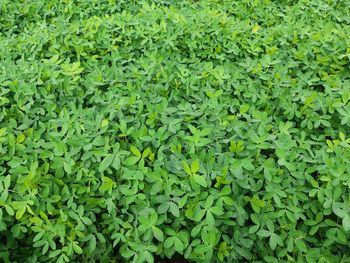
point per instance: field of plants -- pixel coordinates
(175, 131)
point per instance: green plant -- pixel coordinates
(137, 130)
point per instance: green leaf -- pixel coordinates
(217, 210)
(9, 210)
(107, 184)
(163, 207)
(228, 200)
(146, 152)
(192, 129)
(173, 208)
(247, 164)
(7, 181)
(200, 180)
(131, 160)
(116, 162)
(20, 138)
(73, 215)
(274, 241)
(264, 233)
(253, 229)
(135, 151)
(67, 167)
(179, 247)
(3, 132)
(195, 166)
(210, 219)
(300, 245)
(87, 221)
(71, 69)
(77, 248)
(55, 253)
(92, 244)
(182, 201)
(186, 167)
(209, 202)
(106, 162)
(257, 203)
(346, 222)
(158, 234)
(20, 212)
(104, 123)
(201, 249)
(205, 132)
(169, 242)
(147, 256)
(199, 215)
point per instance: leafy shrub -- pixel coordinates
(134, 131)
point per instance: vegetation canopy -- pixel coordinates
(139, 131)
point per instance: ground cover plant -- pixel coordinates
(213, 131)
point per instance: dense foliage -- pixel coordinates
(210, 130)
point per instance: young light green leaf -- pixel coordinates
(186, 167)
(195, 166)
(135, 151)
